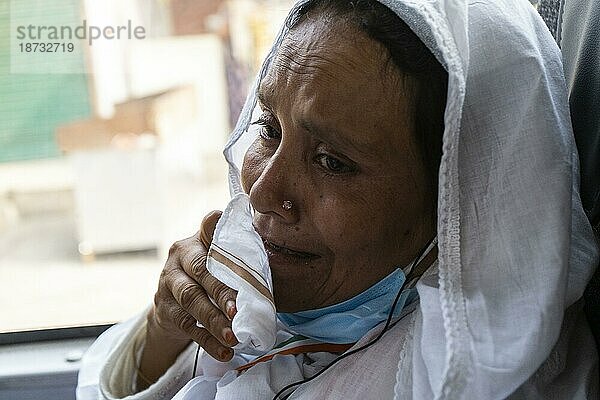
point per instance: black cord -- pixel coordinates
(196, 362)
(379, 336)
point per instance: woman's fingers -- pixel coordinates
(195, 302)
(193, 262)
(188, 294)
(185, 322)
(212, 345)
(221, 294)
(207, 228)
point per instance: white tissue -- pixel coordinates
(237, 258)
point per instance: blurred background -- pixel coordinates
(101, 170)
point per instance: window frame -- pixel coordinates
(39, 335)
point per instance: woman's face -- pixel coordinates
(337, 142)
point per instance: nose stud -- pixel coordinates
(287, 205)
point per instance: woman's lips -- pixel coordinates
(286, 255)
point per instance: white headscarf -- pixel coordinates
(515, 248)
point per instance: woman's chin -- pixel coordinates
(285, 300)
(294, 285)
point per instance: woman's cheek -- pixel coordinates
(339, 219)
(253, 165)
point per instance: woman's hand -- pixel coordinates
(187, 293)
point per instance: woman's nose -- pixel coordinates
(273, 191)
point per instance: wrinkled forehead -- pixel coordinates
(335, 55)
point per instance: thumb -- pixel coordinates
(207, 229)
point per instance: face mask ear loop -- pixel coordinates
(286, 392)
(421, 256)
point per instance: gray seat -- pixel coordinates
(580, 44)
(575, 25)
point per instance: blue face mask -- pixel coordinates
(350, 320)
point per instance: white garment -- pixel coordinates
(108, 370)
(499, 318)
(108, 367)
(238, 258)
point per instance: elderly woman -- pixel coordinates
(376, 130)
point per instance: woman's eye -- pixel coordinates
(266, 123)
(268, 132)
(332, 164)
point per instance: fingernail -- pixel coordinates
(229, 336)
(224, 353)
(230, 308)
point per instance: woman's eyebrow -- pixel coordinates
(324, 133)
(263, 96)
(335, 138)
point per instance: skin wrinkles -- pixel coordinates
(290, 63)
(289, 60)
(364, 220)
